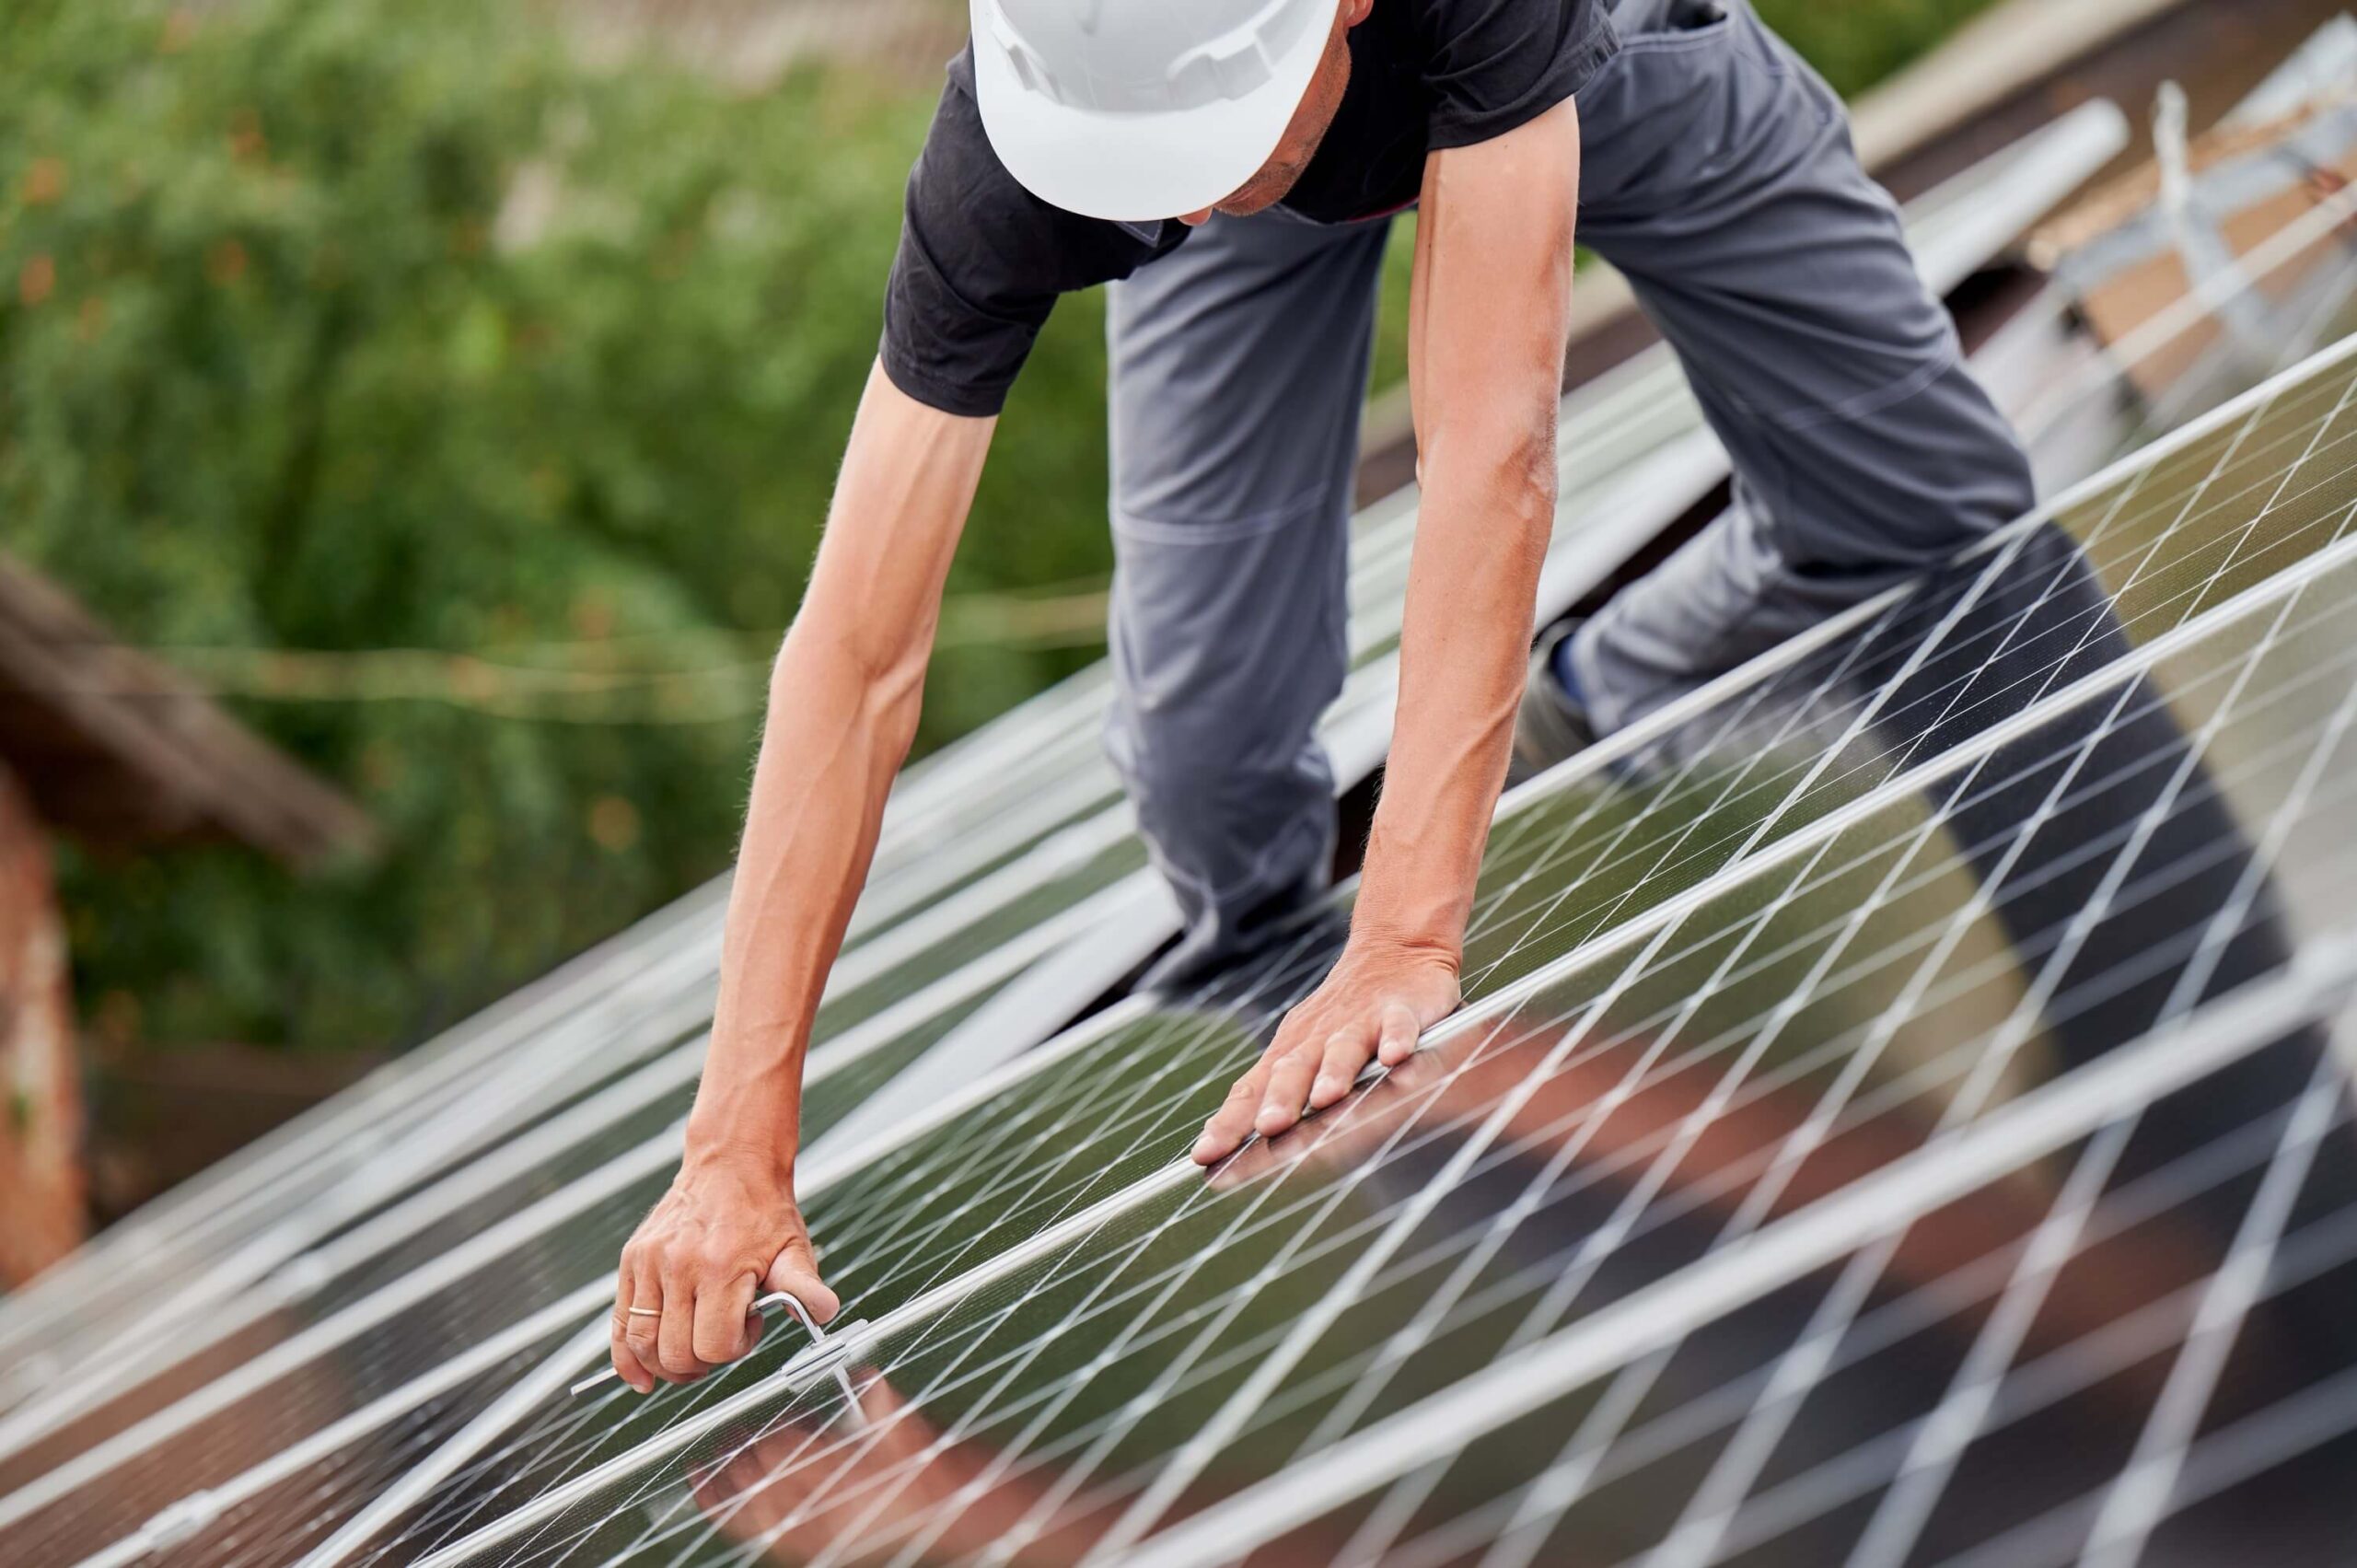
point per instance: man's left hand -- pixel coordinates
(1379, 1000)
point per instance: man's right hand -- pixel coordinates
(727, 1231)
(847, 687)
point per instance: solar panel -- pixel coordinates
(1870, 899)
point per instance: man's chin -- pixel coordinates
(1259, 196)
(1247, 206)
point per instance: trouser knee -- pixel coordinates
(1244, 835)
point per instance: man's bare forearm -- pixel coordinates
(1464, 659)
(845, 699)
(843, 702)
(1486, 340)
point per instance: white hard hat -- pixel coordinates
(1140, 110)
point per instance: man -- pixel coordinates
(1230, 168)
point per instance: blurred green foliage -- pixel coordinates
(1856, 43)
(269, 379)
(367, 324)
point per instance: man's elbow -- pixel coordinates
(878, 669)
(1511, 465)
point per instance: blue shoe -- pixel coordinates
(1553, 726)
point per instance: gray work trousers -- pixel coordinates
(1719, 177)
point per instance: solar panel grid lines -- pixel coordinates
(1696, 1539)
(2135, 1502)
(2303, 1136)
(1941, 1441)
(2343, 713)
(2045, 1387)
(337, 1271)
(909, 1315)
(180, 1496)
(651, 1158)
(450, 1457)
(360, 1307)
(345, 1328)
(217, 1254)
(177, 1332)
(1707, 1109)
(2025, 1395)
(263, 1514)
(1630, 1388)
(2048, 1119)
(1884, 618)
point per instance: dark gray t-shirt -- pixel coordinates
(982, 261)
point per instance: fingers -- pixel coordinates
(1296, 1076)
(642, 1329)
(627, 1364)
(675, 1334)
(1232, 1123)
(1287, 1094)
(725, 1327)
(1399, 1031)
(1338, 1069)
(795, 1271)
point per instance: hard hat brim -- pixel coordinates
(1136, 168)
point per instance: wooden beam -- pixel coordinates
(117, 746)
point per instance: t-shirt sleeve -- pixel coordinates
(966, 297)
(980, 266)
(1498, 65)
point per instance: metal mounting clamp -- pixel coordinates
(823, 1357)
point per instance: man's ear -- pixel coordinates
(1356, 11)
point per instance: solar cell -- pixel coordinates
(1982, 837)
